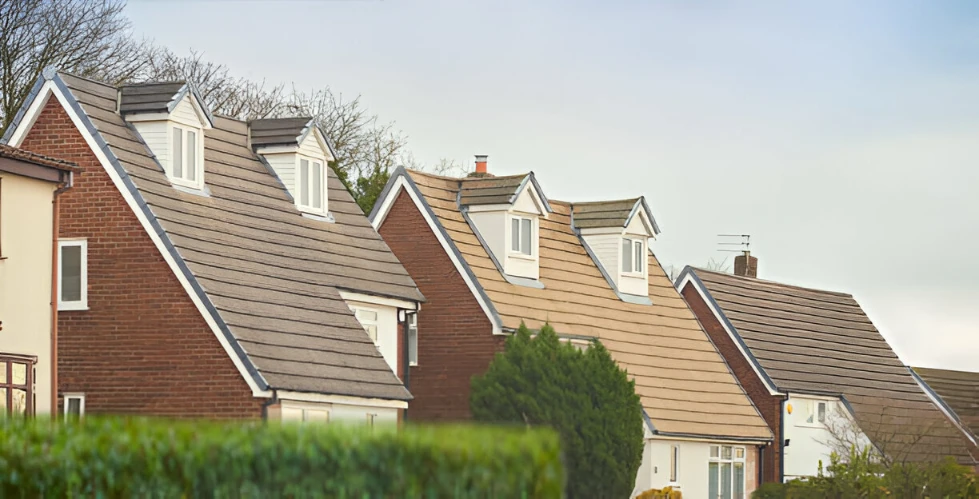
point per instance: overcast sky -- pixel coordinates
(843, 136)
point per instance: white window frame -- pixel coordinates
(412, 333)
(82, 303)
(638, 256)
(81, 404)
(376, 322)
(812, 411)
(198, 182)
(533, 237)
(674, 464)
(308, 182)
(720, 460)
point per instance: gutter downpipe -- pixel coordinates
(406, 380)
(761, 465)
(781, 444)
(265, 405)
(55, 226)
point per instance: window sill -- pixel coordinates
(196, 191)
(635, 275)
(412, 364)
(522, 256)
(73, 309)
(320, 217)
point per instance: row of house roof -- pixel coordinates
(322, 312)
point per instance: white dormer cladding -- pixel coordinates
(621, 246)
(301, 163)
(174, 133)
(510, 231)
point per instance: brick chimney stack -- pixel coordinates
(746, 265)
(481, 163)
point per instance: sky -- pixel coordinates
(842, 136)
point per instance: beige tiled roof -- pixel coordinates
(685, 386)
(603, 213)
(272, 275)
(810, 340)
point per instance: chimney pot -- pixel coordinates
(746, 265)
(481, 163)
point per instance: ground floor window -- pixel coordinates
(726, 472)
(17, 384)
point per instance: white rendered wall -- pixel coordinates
(387, 330)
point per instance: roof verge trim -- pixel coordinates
(51, 84)
(940, 402)
(401, 180)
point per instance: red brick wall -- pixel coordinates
(455, 339)
(768, 405)
(142, 347)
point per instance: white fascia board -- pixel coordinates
(378, 300)
(340, 399)
(488, 207)
(689, 280)
(385, 205)
(47, 90)
(277, 149)
(710, 440)
(594, 231)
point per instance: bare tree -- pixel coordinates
(721, 266)
(890, 435)
(87, 38)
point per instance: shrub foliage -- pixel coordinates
(540, 381)
(860, 475)
(112, 458)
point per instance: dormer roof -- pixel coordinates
(614, 214)
(161, 97)
(477, 191)
(286, 132)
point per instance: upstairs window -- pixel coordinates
(521, 235)
(186, 157)
(312, 185)
(413, 339)
(816, 413)
(633, 256)
(368, 319)
(73, 275)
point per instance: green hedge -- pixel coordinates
(154, 458)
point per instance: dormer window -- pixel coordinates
(616, 235)
(186, 157)
(297, 152)
(522, 236)
(312, 185)
(171, 119)
(633, 256)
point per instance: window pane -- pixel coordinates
(526, 226)
(412, 345)
(74, 406)
(367, 315)
(822, 412)
(673, 459)
(19, 374)
(18, 403)
(714, 451)
(726, 452)
(317, 185)
(639, 256)
(71, 273)
(738, 481)
(515, 234)
(626, 255)
(372, 331)
(304, 182)
(191, 156)
(726, 481)
(739, 453)
(713, 489)
(177, 157)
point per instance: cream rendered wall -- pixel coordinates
(25, 276)
(692, 472)
(387, 330)
(811, 443)
(525, 202)
(492, 226)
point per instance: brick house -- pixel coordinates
(226, 272)
(31, 186)
(492, 252)
(822, 375)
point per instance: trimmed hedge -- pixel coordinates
(157, 458)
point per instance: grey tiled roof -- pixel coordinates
(148, 97)
(272, 275)
(280, 131)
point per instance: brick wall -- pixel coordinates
(142, 347)
(455, 339)
(768, 405)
